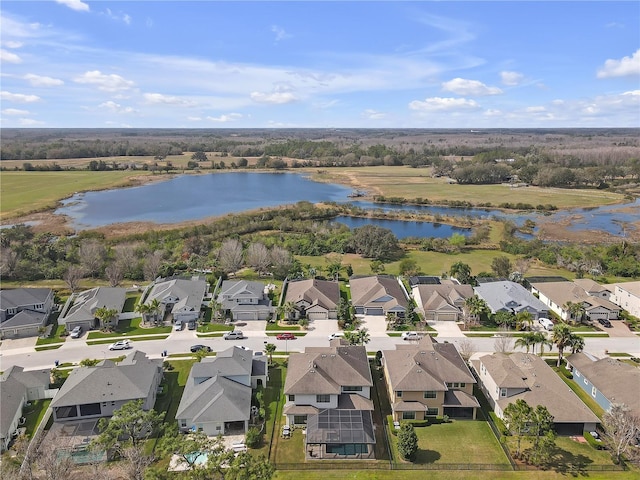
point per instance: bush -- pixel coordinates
(593, 442)
(253, 437)
(407, 442)
(565, 372)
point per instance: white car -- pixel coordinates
(546, 323)
(234, 335)
(177, 326)
(76, 332)
(336, 335)
(411, 336)
(120, 345)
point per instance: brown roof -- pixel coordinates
(315, 292)
(293, 409)
(353, 401)
(562, 292)
(324, 370)
(435, 297)
(543, 386)
(618, 381)
(367, 290)
(403, 406)
(458, 398)
(428, 365)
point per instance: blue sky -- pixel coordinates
(449, 64)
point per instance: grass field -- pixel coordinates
(413, 183)
(325, 474)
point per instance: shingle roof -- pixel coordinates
(315, 292)
(618, 381)
(190, 293)
(19, 297)
(324, 370)
(377, 291)
(436, 297)
(562, 292)
(12, 394)
(132, 379)
(427, 365)
(507, 295)
(632, 287)
(86, 303)
(25, 318)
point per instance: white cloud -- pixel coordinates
(536, 109)
(13, 44)
(280, 33)
(118, 16)
(225, 118)
(77, 5)
(275, 98)
(9, 57)
(434, 104)
(463, 86)
(194, 119)
(14, 111)
(511, 78)
(42, 81)
(18, 97)
(373, 114)
(116, 107)
(491, 112)
(159, 98)
(625, 67)
(107, 83)
(30, 122)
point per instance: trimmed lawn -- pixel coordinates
(131, 302)
(129, 328)
(56, 332)
(48, 347)
(34, 415)
(214, 327)
(568, 452)
(175, 380)
(441, 443)
(137, 339)
(584, 396)
(324, 474)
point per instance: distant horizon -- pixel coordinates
(320, 64)
(462, 129)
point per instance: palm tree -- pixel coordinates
(540, 339)
(575, 311)
(270, 348)
(357, 337)
(216, 309)
(289, 308)
(144, 310)
(106, 316)
(576, 344)
(526, 341)
(524, 320)
(475, 307)
(155, 308)
(562, 337)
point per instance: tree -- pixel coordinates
(466, 349)
(192, 448)
(517, 416)
(269, 348)
(106, 316)
(345, 311)
(130, 425)
(621, 428)
(575, 311)
(501, 267)
(562, 337)
(372, 241)
(523, 320)
(155, 309)
(281, 262)
(258, 257)
(199, 156)
(334, 265)
(503, 344)
(114, 273)
(245, 466)
(504, 319)
(541, 429)
(89, 362)
(461, 272)
(230, 255)
(72, 277)
(407, 441)
(144, 310)
(357, 337)
(409, 267)
(474, 307)
(526, 341)
(377, 266)
(152, 264)
(217, 309)
(576, 344)
(92, 254)
(539, 338)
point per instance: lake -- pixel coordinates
(193, 197)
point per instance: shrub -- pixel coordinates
(407, 441)
(592, 441)
(253, 437)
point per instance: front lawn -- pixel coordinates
(56, 332)
(129, 328)
(137, 339)
(175, 378)
(213, 327)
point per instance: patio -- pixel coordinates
(74, 438)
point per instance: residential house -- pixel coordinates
(442, 302)
(607, 380)
(511, 297)
(429, 379)
(314, 299)
(98, 391)
(378, 295)
(80, 309)
(593, 288)
(627, 295)
(558, 295)
(506, 378)
(328, 389)
(180, 297)
(245, 300)
(17, 387)
(23, 311)
(217, 395)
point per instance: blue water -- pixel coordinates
(404, 228)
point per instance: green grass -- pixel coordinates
(213, 327)
(322, 473)
(273, 401)
(48, 347)
(584, 396)
(175, 380)
(34, 415)
(129, 328)
(568, 452)
(137, 339)
(56, 332)
(131, 302)
(26, 192)
(618, 354)
(295, 334)
(276, 327)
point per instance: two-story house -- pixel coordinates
(626, 295)
(429, 379)
(23, 311)
(245, 300)
(181, 297)
(506, 378)
(328, 389)
(314, 299)
(217, 395)
(558, 296)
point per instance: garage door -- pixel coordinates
(446, 317)
(243, 316)
(374, 311)
(317, 316)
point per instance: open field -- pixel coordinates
(411, 183)
(324, 474)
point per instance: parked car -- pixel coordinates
(191, 325)
(546, 323)
(410, 336)
(177, 326)
(234, 335)
(197, 348)
(120, 345)
(76, 332)
(604, 322)
(336, 335)
(286, 336)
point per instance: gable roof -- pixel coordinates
(86, 303)
(25, 318)
(632, 288)
(242, 288)
(14, 383)
(325, 370)
(189, 292)
(443, 296)
(618, 381)
(541, 385)
(589, 285)
(20, 297)
(378, 290)
(562, 292)
(427, 365)
(315, 292)
(131, 379)
(507, 295)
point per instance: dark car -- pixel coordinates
(604, 322)
(197, 348)
(286, 336)
(191, 325)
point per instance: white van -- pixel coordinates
(546, 323)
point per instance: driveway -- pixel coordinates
(447, 329)
(16, 343)
(322, 328)
(375, 324)
(618, 329)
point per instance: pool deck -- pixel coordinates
(178, 465)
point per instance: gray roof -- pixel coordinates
(340, 426)
(233, 361)
(542, 386)
(377, 291)
(29, 378)
(241, 288)
(86, 303)
(325, 370)
(132, 379)
(190, 293)
(13, 390)
(20, 297)
(618, 381)
(509, 296)
(427, 366)
(315, 292)
(25, 318)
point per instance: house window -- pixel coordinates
(432, 412)
(576, 373)
(218, 427)
(430, 394)
(593, 392)
(113, 404)
(399, 393)
(503, 392)
(299, 419)
(586, 382)
(104, 404)
(292, 398)
(462, 385)
(323, 398)
(183, 423)
(351, 388)
(408, 415)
